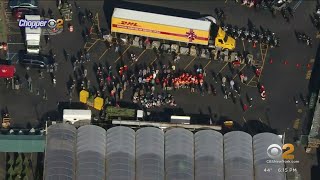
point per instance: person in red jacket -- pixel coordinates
(245, 107)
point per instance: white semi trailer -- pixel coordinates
(32, 36)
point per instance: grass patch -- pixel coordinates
(3, 32)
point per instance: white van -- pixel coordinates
(72, 116)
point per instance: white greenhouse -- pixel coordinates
(60, 152)
(261, 142)
(120, 153)
(238, 156)
(91, 153)
(149, 154)
(179, 154)
(208, 155)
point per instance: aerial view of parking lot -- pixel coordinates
(160, 89)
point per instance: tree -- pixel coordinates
(11, 160)
(18, 169)
(18, 177)
(19, 159)
(26, 170)
(10, 177)
(26, 162)
(11, 170)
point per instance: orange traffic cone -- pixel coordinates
(308, 66)
(285, 62)
(254, 45)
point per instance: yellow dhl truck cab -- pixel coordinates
(219, 38)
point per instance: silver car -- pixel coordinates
(31, 4)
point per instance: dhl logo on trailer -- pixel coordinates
(160, 31)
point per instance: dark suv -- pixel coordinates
(34, 61)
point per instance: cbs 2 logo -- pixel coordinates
(55, 23)
(275, 151)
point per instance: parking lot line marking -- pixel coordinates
(244, 119)
(92, 45)
(139, 56)
(244, 47)
(85, 45)
(207, 64)
(239, 71)
(14, 33)
(296, 124)
(153, 61)
(103, 53)
(15, 43)
(190, 63)
(264, 56)
(250, 80)
(13, 56)
(222, 68)
(235, 76)
(251, 86)
(260, 120)
(96, 39)
(308, 74)
(122, 54)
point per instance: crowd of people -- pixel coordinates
(153, 100)
(150, 85)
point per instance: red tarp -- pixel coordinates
(7, 71)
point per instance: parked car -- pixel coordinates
(35, 61)
(31, 4)
(19, 13)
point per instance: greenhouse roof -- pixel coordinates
(22, 143)
(91, 152)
